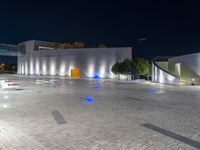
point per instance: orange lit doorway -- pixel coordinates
(75, 73)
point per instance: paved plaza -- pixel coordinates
(60, 113)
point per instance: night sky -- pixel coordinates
(169, 27)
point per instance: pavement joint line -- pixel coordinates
(173, 135)
(58, 117)
(133, 98)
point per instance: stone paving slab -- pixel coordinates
(14, 139)
(173, 135)
(112, 121)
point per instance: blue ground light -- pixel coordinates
(152, 90)
(96, 76)
(89, 99)
(123, 85)
(97, 86)
(56, 82)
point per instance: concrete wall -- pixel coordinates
(189, 65)
(160, 75)
(90, 61)
(162, 64)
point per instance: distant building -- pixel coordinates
(8, 68)
(177, 70)
(42, 58)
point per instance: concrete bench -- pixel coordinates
(8, 85)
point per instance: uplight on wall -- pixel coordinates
(44, 66)
(62, 71)
(37, 66)
(31, 66)
(26, 67)
(22, 69)
(5, 106)
(156, 73)
(161, 76)
(102, 71)
(52, 66)
(91, 69)
(170, 78)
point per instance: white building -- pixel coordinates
(184, 69)
(40, 58)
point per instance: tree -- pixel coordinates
(2, 67)
(56, 45)
(138, 66)
(116, 69)
(127, 68)
(67, 45)
(78, 45)
(124, 68)
(102, 46)
(141, 66)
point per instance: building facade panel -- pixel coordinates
(189, 65)
(185, 68)
(159, 75)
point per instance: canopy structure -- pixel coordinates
(11, 50)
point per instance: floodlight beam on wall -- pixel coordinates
(62, 71)
(91, 69)
(102, 70)
(22, 69)
(37, 66)
(52, 65)
(31, 66)
(26, 66)
(44, 66)
(161, 76)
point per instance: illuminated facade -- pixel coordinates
(183, 69)
(40, 58)
(186, 67)
(161, 75)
